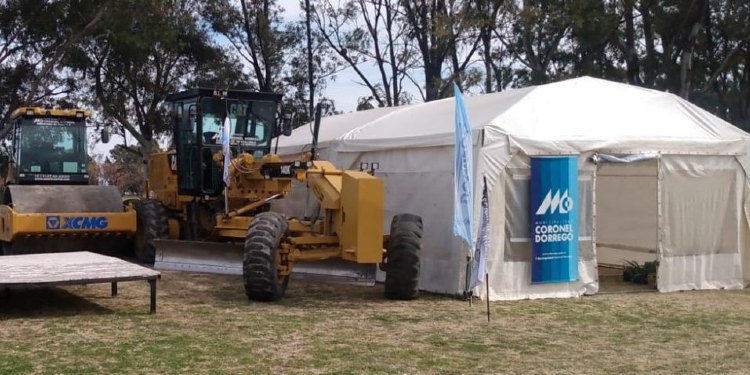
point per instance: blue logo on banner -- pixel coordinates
(554, 219)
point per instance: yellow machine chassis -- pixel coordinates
(82, 224)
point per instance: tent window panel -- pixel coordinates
(585, 218)
(517, 221)
(701, 213)
(585, 207)
(517, 241)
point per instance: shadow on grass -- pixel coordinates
(226, 291)
(45, 302)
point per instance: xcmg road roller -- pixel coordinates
(47, 202)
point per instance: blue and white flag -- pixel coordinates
(463, 187)
(225, 134)
(479, 263)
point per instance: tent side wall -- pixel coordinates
(701, 213)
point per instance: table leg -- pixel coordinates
(114, 289)
(152, 283)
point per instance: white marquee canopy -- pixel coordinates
(682, 199)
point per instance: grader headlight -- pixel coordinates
(369, 167)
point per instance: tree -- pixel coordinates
(487, 14)
(35, 37)
(135, 59)
(295, 78)
(121, 169)
(369, 33)
(593, 26)
(437, 26)
(539, 28)
(257, 35)
(726, 88)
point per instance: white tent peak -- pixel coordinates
(576, 110)
(596, 109)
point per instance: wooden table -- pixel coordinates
(80, 267)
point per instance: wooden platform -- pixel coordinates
(73, 268)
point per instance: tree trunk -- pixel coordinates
(631, 56)
(686, 60)
(650, 65)
(146, 148)
(487, 51)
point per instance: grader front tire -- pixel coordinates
(152, 224)
(259, 266)
(402, 263)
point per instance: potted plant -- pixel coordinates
(651, 268)
(641, 273)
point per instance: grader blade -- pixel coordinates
(336, 270)
(198, 256)
(226, 258)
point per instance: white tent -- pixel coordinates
(683, 201)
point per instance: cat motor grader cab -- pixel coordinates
(47, 202)
(194, 222)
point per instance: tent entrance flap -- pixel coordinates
(626, 212)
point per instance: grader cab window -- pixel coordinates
(199, 118)
(251, 122)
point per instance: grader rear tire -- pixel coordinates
(402, 262)
(408, 218)
(152, 224)
(259, 266)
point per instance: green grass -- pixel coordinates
(206, 325)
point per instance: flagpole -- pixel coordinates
(467, 291)
(487, 294)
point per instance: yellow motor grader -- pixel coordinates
(47, 202)
(196, 221)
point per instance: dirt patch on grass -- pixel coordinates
(205, 324)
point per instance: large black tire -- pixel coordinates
(153, 224)
(402, 258)
(407, 218)
(259, 265)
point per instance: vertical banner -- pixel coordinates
(554, 219)
(463, 184)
